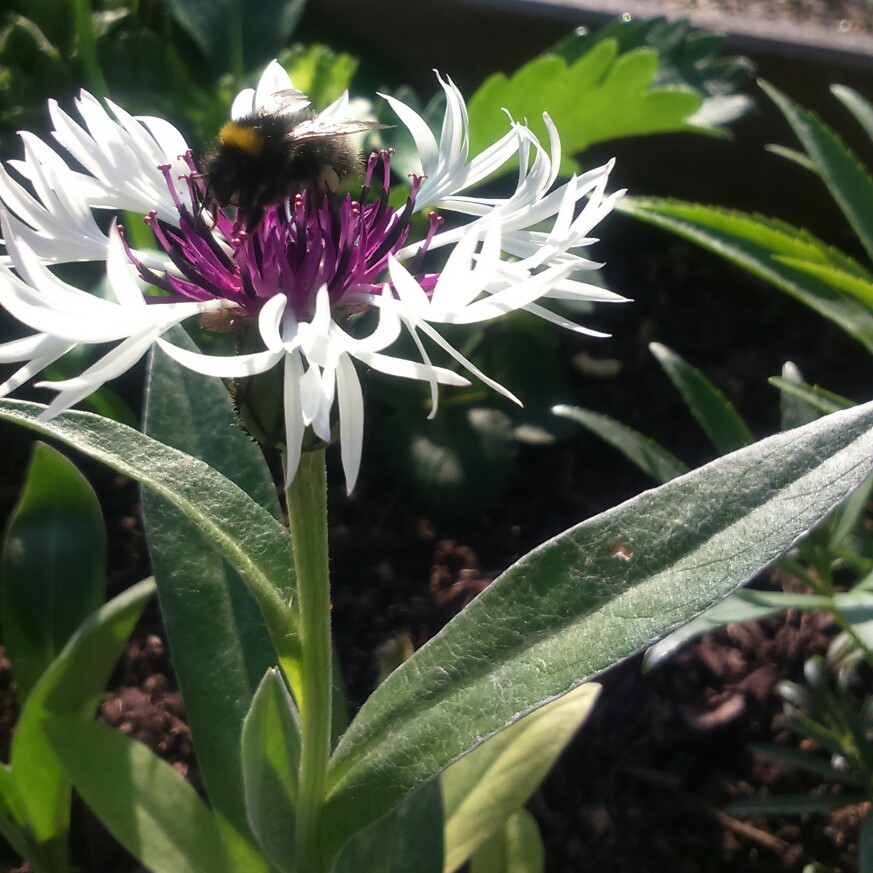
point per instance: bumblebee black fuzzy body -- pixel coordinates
(264, 158)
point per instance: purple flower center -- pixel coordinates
(301, 245)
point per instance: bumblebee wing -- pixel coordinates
(318, 128)
(287, 102)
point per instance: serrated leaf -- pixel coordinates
(649, 456)
(271, 760)
(53, 568)
(145, 804)
(854, 286)
(485, 788)
(752, 242)
(516, 848)
(847, 180)
(714, 412)
(687, 56)
(815, 396)
(71, 685)
(575, 605)
(244, 533)
(600, 96)
(217, 635)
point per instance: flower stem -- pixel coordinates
(307, 513)
(88, 48)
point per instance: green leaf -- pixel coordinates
(459, 463)
(319, 72)
(794, 804)
(53, 569)
(236, 37)
(714, 412)
(687, 57)
(483, 789)
(849, 183)
(271, 760)
(865, 844)
(795, 411)
(601, 96)
(651, 458)
(217, 636)
(576, 605)
(854, 286)
(245, 534)
(145, 804)
(71, 685)
(818, 398)
(850, 516)
(741, 606)
(13, 818)
(409, 838)
(752, 242)
(858, 106)
(806, 760)
(516, 848)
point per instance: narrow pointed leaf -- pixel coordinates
(752, 242)
(271, 760)
(865, 844)
(146, 805)
(848, 181)
(857, 105)
(714, 412)
(649, 456)
(821, 399)
(855, 286)
(794, 410)
(741, 606)
(795, 804)
(245, 534)
(516, 848)
(71, 685)
(53, 570)
(805, 760)
(577, 604)
(485, 788)
(218, 639)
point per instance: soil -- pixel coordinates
(643, 787)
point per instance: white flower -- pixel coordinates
(303, 275)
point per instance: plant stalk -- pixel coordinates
(307, 514)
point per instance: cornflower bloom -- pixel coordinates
(296, 284)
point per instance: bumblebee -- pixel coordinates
(264, 158)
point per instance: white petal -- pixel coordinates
(243, 104)
(350, 401)
(294, 424)
(224, 367)
(469, 365)
(111, 365)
